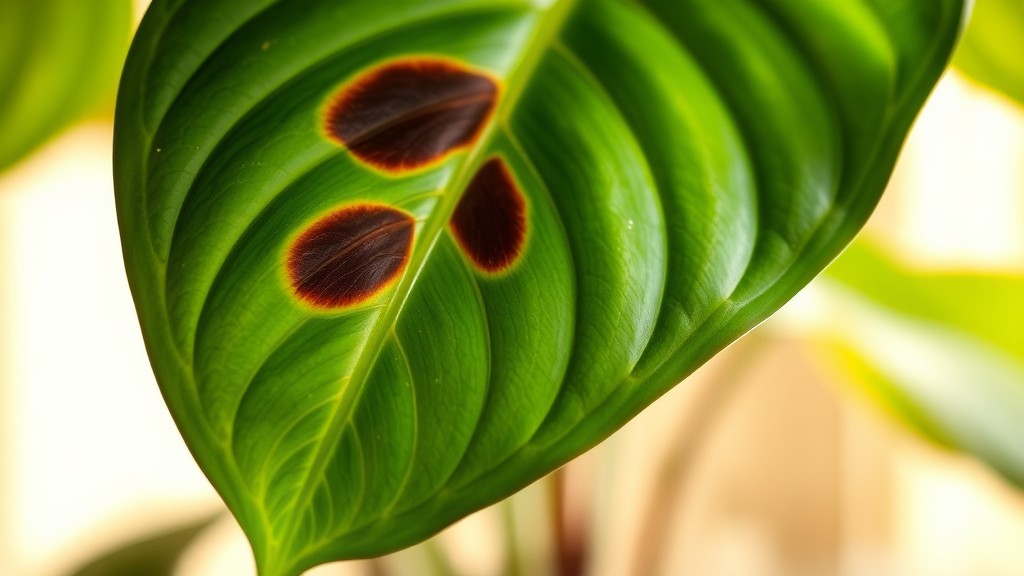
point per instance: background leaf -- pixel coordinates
(669, 173)
(154, 556)
(941, 352)
(947, 298)
(59, 60)
(992, 44)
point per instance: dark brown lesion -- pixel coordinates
(350, 255)
(489, 222)
(411, 113)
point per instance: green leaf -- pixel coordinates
(154, 556)
(943, 353)
(393, 265)
(990, 51)
(59, 60)
(988, 306)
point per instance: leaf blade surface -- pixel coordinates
(684, 170)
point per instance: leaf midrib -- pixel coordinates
(550, 23)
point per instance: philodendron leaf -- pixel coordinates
(395, 260)
(991, 49)
(942, 353)
(58, 60)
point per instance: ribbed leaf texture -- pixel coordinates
(396, 260)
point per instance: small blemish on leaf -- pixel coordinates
(411, 113)
(350, 255)
(489, 222)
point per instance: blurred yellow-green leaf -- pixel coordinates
(943, 353)
(992, 47)
(59, 60)
(988, 306)
(154, 556)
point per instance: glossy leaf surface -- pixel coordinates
(941, 352)
(990, 51)
(59, 59)
(603, 194)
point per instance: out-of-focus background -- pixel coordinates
(803, 449)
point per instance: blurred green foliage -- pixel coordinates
(154, 556)
(943, 353)
(986, 305)
(59, 60)
(992, 48)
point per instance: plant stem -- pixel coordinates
(439, 563)
(513, 562)
(570, 549)
(693, 432)
(377, 567)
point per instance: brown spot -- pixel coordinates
(350, 255)
(408, 114)
(490, 221)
